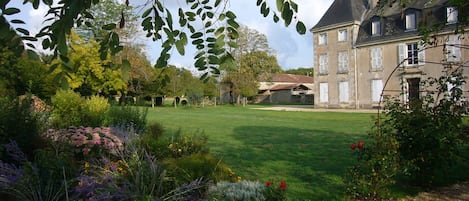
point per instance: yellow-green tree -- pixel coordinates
(87, 73)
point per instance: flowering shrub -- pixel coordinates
(275, 193)
(84, 140)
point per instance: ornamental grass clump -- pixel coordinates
(238, 191)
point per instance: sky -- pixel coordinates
(292, 49)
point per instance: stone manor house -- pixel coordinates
(358, 44)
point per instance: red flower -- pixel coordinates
(268, 183)
(283, 185)
(353, 146)
(360, 145)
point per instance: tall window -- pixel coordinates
(323, 92)
(376, 89)
(451, 15)
(413, 52)
(453, 49)
(322, 39)
(376, 28)
(376, 58)
(343, 92)
(410, 21)
(323, 64)
(342, 35)
(343, 62)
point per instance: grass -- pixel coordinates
(310, 151)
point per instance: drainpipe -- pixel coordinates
(357, 104)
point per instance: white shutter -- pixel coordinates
(343, 92)
(421, 53)
(376, 58)
(376, 89)
(402, 52)
(454, 49)
(323, 92)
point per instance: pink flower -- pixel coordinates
(86, 150)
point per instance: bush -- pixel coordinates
(68, 109)
(19, 123)
(238, 191)
(154, 130)
(191, 167)
(128, 117)
(94, 111)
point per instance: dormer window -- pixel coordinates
(323, 39)
(451, 15)
(410, 22)
(376, 28)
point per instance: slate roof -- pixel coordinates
(342, 11)
(392, 18)
(288, 78)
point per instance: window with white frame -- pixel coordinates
(323, 69)
(322, 39)
(376, 58)
(413, 52)
(451, 15)
(376, 89)
(453, 49)
(343, 92)
(410, 21)
(342, 35)
(343, 62)
(376, 28)
(323, 92)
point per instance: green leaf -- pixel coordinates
(169, 19)
(183, 38)
(300, 27)
(110, 26)
(180, 47)
(194, 6)
(233, 23)
(279, 5)
(294, 6)
(230, 15)
(208, 24)
(219, 31)
(11, 11)
(146, 13)
(210, 15)
(15, 21)
(258, 2)
(197, 35)
(45, 43)
(204, 76)
(276, 18)
(233, 44)
(23, 31)
(217, 2)
(29, 38)
(198, 41)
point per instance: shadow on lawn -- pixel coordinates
(314, 161)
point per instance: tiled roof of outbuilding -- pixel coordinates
(288, 78)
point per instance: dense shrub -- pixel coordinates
(67, 109)
(19, 123)
(154, 130)
(188, 168)
(95, 109)
(238, 191)
(417, 139)
(128, 117)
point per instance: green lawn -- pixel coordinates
(309, 150)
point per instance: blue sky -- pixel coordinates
(292, 50)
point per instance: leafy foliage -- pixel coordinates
(128, 117)
(67, 111)
(213, 40)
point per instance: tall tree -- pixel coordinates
(87, 73)
(249, 41)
